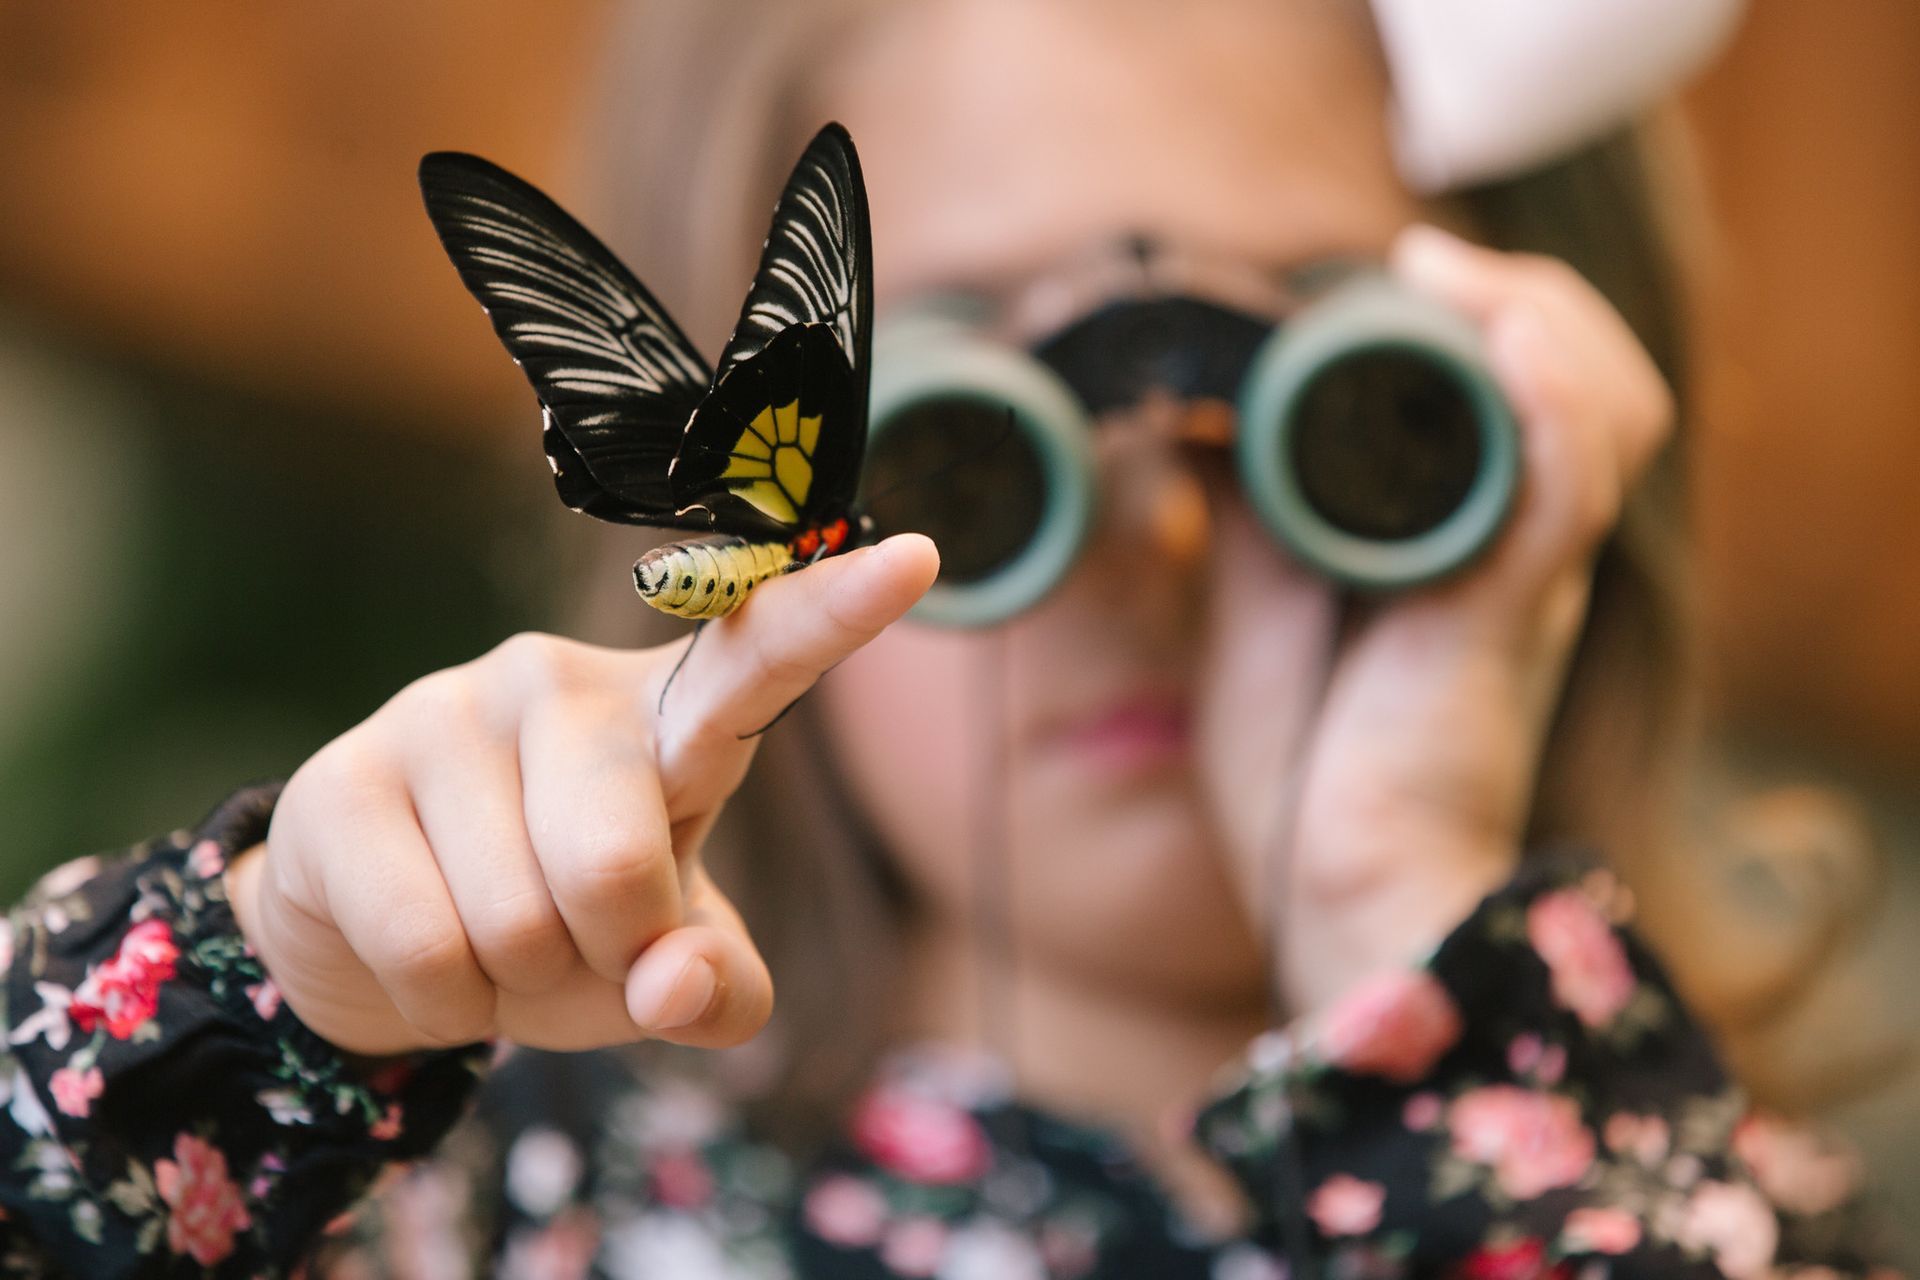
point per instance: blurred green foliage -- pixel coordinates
(279, 573)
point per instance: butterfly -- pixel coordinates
(765, 453)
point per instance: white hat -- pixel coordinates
(1485, 89)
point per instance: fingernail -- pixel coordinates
(663, 999)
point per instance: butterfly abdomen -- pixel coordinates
(707, 578)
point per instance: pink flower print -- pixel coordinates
(124, 992)
(1552, 1067)
(268, 1171)
(1600, 1230)
(205, 860)
(1523, 1054)
(1794, 1167)
(1734, 1225)
(1533, 1141)
(920, 1139)
(1531, 1059)
(681, 1180)
(1588, 965)
(265, 996)
(913, 1246)
(1395, 1026)
(204, 1205)
(388, 1126)
(845, 1211)
(1422, 1111)
(74, 1091)
(1344, 1205)
(1069, 1245)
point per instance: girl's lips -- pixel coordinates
(1134, 734)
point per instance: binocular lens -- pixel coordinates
(985, 451)
(1386, 443)
(1373, 440)
(954, 467)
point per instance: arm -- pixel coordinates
(218, 1043)
(1532, 1098)
(1534, 1095)
(162, 1102)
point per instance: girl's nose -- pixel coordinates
(1157, 512)
(1178, 524)
(1146, 575)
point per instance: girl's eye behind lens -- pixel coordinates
(954, 468)
(1386, 444)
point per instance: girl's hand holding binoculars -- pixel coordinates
(1417, 781)
(512, 847)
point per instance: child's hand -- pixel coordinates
(512, 847)
(1418, 779)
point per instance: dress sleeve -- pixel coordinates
(165, 1113)
(1532, 1099)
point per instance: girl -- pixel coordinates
(1112, 841)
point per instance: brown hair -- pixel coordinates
(703, 113)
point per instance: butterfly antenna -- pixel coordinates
(776, 720)
(685, 653)
(999, 438)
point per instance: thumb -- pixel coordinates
(752, 664)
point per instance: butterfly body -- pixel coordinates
(706, 577)
(765, 455)
(711, 577)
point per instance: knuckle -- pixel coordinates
(1656, 411)
(423, 950)
(1551, 272)
(1599, 509)
(536, 664)
(604, 862)
(454, 1022)
(521, 935)
(441, 701)
(348, 776)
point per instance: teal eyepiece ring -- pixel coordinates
(1367, 359)
(933, 381)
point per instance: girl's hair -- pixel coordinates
(706, 107)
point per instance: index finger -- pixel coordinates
(752, 664)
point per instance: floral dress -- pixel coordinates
(1531, 1102)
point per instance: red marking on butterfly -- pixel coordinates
(824, 541)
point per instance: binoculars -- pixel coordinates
(1369, 437)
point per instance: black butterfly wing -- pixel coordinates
(800, 354)
(777, 429)
(618, 380)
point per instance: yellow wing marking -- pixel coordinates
(786, 418)
(772, 463)
(794, 472)
(770, 499)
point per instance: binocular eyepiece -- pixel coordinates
(1370, 439)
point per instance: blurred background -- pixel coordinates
(262, 462)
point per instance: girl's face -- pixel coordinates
(1001, 139)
